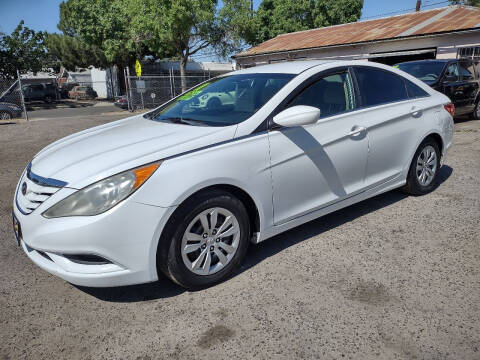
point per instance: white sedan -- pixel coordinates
(184, 189)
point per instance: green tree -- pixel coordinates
(102, 25)
(185, 26)
(24, 50)
(125, 30)
(466, 2)
(275, 17)
(70, 52)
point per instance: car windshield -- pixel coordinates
(427, 71)
(222, 101)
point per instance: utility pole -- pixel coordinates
(419, 4)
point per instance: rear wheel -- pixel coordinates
(424, 168)
(476, 111)
(205, 240)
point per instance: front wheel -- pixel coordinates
(424, 168)
(205, 240)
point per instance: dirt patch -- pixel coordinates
(215, 335)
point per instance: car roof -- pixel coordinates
(287, 67)
(443, 61)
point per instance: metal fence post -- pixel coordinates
(171, 84)
(129, 86)
(21, 94)
(126, 87)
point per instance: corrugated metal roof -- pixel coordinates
(447, 19)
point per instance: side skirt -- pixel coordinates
(277, 229)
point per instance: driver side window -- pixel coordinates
(451, 74)
(332, 94)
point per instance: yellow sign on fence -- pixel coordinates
(138, 68)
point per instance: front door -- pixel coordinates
(317, 165)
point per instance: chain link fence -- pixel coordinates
(12, 104)
(147, 92)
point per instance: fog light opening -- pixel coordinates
(87, 259)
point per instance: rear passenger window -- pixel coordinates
(379, 86)
(332, 94)
(466, 70)
(415, 91)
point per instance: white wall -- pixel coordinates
(446, 46)
(99, 82)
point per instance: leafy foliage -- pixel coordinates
(102, 25)
(70, 52)
(275, 17)
(466, 2)
(184, 26)
(23, 50)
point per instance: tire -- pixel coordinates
(179, 264)
(476, 111)
(5, 115)
(415, 185)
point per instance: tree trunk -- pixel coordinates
(183, 66)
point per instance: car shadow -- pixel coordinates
(164, 288)
(58, 104)
(463, 118)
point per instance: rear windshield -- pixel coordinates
(222, 101)
(427, 71)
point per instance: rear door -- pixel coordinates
(467, 76)
(454, 87)
(388, 113)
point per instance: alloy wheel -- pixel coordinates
(426, 165)
(210, 241)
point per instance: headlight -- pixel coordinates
(102, 195)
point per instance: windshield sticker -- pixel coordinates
(188, 95)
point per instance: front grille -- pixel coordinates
(33, 190)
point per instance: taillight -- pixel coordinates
(450, 108)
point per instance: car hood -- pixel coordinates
(93, 154)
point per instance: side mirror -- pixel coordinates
(297, 116)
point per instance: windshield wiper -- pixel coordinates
(187, 121)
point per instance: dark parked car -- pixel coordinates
(40, 92)
(121, 102)
(82, 92)
(458, 79)
(9, 111)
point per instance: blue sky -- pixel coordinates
(44, 14)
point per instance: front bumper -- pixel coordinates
(126, 236)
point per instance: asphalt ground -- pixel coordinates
(393, 277)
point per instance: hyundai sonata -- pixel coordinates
(184, 189)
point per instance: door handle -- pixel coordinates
(416, 113)
(357, 130)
